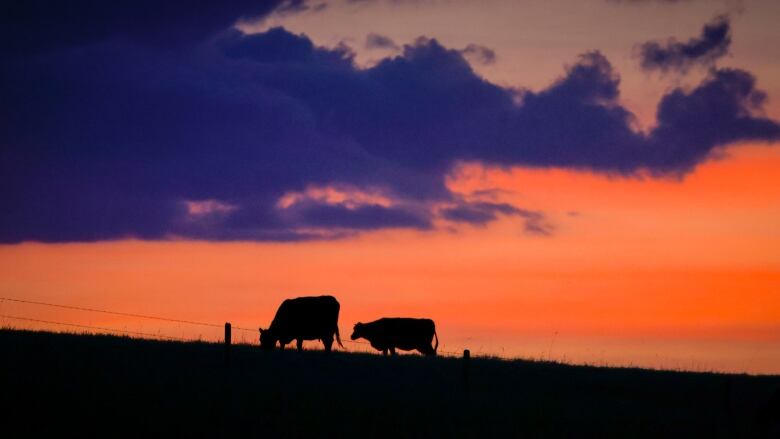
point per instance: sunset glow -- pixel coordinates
(660, 251)
(636, 273)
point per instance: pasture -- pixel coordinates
(102, 386)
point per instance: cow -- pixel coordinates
(387, 334)
(303, 318)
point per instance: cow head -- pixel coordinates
(267, 339)
(357, 332)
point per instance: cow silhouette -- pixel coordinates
(389, 334)
(303, 318)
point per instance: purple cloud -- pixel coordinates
(377, 41)
(105, 135)
(712, 44)
(479, 54)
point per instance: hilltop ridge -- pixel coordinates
(98, 385)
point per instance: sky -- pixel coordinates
(583, 181)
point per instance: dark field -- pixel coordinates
(53, 385)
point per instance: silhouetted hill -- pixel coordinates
(102, 386)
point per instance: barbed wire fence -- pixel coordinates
(99, 328)
(159, 336)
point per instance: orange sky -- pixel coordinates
(649, 272)
(663, 273)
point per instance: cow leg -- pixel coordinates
(299, 343)
(328, 342)
(281, 345)
(392, 351)
(384, 352)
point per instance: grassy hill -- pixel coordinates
(53, 384)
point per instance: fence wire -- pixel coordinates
(101, 328)
(125, 314)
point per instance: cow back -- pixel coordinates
(405, 333)
(306, 317)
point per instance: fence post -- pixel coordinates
(466, 361)
(227, 343)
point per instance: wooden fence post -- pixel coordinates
(227, 343)
(466, 361)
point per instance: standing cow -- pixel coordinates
(387, 334)
(303, 318)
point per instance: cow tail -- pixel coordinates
(437, 340)
(338, 337)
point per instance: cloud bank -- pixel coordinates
(180, 133)
(39, 25)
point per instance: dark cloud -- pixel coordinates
(231, 136)
(712, 44)
(482, 212)
(718, 112)
(478, 212)
(32, 26)
(291, 7)
(479, 54)
(298, 6)
(536, 223)
(376, 41)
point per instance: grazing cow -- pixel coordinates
(402, 333)
(303, 318)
